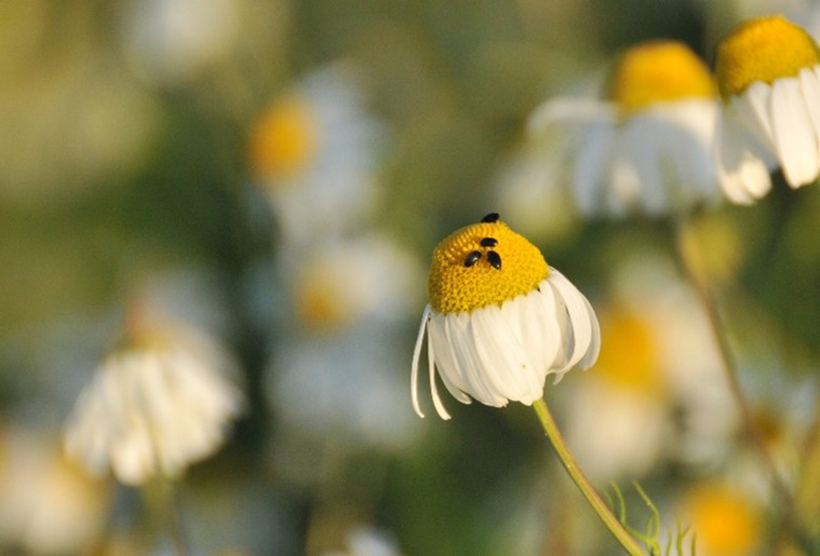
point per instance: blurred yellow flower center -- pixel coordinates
(284, 140)
(659, 71)
(482, 264)
(320, 305)
(726, 522)
(762, 49)
(628, 356)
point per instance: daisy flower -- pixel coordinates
(346, 309)
(499, 319)
(768, 72)
(314, 151)
(156, 405)
(647, 147)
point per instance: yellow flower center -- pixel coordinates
(320, 305)
(762, 49)
(658, 71)
(284, 140)
(482, 264)
(628, 356)
(726, 521)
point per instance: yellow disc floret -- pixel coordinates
(726, 521)
(482, 264)
(659, 71)
(762, 49)
(629, 357)
(284, 140)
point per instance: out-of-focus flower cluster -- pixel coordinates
(216, 222)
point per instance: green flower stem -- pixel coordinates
(696, 275)
(694, 267)
(568, 461)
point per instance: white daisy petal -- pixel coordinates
(582, 321)
(742, 175)
(414, 375)
(795, 139)
(590, 166)
(431, 364)
(810, 86)
(752, 108)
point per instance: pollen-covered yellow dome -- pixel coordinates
(762, 49)
(659, 71)
(482, 264)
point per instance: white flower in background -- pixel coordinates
(169, 41)
(658, 390)
(47, 505)
(618, 415)
(768, 72)
(157, 404)
(314, 151)
(647, 148)
(335, 372)
(499, 319)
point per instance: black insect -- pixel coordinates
(489, 242)
(495, 259)
(490, 218)
(472, 258)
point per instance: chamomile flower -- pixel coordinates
(499, 319)
(647, 147)
(314, 151)
(346, 308)
(768, 72)
(156, 405)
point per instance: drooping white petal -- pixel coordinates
(752, 108)
(594, 349)
(810, 86)
(414, 373)
(460, 337)
(590, 166)
(640, 144)
(568, 110)
(742, 175)
(445, 362)
(794, 137)
(431, 368)
(580, 318)
(553, 340)
(503, 348)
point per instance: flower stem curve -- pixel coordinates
(629, 544)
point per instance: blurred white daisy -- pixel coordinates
(768, 72)
(647, 147)
(314, 151)
(499, 319)
(47, 504)
(619, 415)
(157, 404)
(334, 372)
(657, 391)
(168, 41)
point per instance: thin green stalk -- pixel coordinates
(568, 461)
(696, 276)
